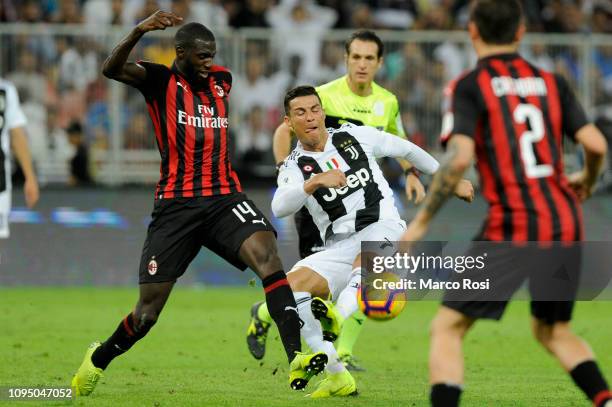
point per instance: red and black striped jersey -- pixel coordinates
(518, 115)
(191, 128)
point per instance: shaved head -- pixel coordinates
(187, 35)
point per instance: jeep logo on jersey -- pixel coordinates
(354, 181)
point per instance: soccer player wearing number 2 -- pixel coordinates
(198, 200)
(513, 116)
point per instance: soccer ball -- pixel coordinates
(379, 304)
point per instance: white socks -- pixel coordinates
(313, 335)
(347, 300)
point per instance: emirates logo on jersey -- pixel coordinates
(220, 91)
(206, 118)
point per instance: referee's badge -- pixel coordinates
(152, 267)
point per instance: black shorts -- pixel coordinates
(552, 276)
(309, 237)
(547, 311)
(181, 226)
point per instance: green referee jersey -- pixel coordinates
(380, 109)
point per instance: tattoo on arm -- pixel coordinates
(443, 185)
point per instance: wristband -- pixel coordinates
(411, 170)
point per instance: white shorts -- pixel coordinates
(335, 263)
(5, 209)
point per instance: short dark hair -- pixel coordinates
(187, 34)
(365, 35)
(298, 92)
(497, 21)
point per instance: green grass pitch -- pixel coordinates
(196, 355)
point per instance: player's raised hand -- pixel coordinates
(160, 20)
(465, 190)
(331, 179)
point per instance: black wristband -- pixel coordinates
(411, 170)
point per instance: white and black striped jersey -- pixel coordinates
(11, 116)
(366, 198)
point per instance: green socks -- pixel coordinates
(349, 334)
(263, 314)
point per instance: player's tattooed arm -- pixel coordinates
(456, 161)
(117, 66)
(444, 183)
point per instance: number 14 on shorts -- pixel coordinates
(244, 209)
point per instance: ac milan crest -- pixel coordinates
(152, 267)
(219, 90)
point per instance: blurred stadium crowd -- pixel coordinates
(564, 16)
(54, 50)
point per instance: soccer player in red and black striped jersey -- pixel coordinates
(198, 200)
(512, 117)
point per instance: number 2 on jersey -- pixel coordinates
(522, 113)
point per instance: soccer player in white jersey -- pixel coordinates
(12, 134)
(334, 174)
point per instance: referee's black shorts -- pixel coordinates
(181, 226)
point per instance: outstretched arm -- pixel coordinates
(117, 66)
(395, 147)
(387, 145)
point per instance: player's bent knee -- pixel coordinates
(298, 279)
(547, 334)
(307, 280)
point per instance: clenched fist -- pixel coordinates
(160, 20)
